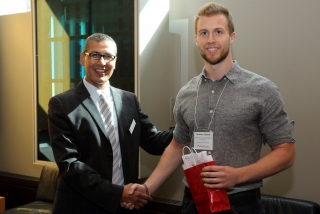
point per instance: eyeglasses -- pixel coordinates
(97, 56)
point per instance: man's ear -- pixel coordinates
(232, 37)
(115, 62)
(82, 56)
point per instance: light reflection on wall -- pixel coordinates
(149, 19)
(14, 6)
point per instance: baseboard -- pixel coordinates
(162, 206)
(17, 189)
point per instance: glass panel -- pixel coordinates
(61, 28)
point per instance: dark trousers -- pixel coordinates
(248, 202)
(126, 211)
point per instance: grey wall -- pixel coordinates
(277, 39)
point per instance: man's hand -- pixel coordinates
(280, 158)
(134, 196)
(138, 187)
(219, 176)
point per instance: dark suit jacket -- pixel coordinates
(83, 152)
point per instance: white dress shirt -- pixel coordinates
(106, 93)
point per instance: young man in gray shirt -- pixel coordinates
(239, 109)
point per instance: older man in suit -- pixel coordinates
(83, 144)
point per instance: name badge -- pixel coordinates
(203, 140)
(133, 124)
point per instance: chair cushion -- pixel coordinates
(40, 207)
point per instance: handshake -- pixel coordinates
(135, 196)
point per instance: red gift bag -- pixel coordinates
(206, 200)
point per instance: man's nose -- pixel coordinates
(211, 38)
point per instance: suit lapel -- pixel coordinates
(85, 99)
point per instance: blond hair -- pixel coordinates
(211, 9)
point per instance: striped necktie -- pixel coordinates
(108, 122)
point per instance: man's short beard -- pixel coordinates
(216, 61)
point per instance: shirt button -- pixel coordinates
(209, 152)
(212, 91)
(211, 111)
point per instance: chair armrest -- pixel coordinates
(47, 183)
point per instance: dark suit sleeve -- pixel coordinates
(81, 176)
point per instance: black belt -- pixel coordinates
(237, 198)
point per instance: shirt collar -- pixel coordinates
(95, 92)
(232, 74)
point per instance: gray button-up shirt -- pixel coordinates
(243, 110)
